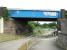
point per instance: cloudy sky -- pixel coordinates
(42, 22)
(35, 4)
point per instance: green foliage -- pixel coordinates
(50, 25)
(33, 24)
(45, 25)
(35, 28)
(38, 31)
(65, 14)
(5, 14)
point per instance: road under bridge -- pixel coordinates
(35, 15)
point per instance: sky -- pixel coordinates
(34, 4)
(47, 22)
(42, 22)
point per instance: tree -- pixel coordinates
(5, 14)
(45, 25)
(52, 25)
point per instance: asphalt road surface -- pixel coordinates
(12, 45)
(46, 44)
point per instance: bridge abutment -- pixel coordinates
(62, 37)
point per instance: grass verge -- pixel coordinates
(7, 37)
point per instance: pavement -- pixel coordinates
(46, 44)
(12, 45)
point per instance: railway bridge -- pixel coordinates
(20, 16)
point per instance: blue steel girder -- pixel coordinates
(34, 14)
